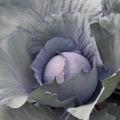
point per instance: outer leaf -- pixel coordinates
(44, 97)
(110, 6)
(93, 9)
(114, 110)
(28, 112)
(110, 112)
(83, 112)
(102, 115)
(28, 14)
(118, 86)
(16, 77)
(110, 84)
(11, 90)
(31, 112)
(14, 13)
(107, 33)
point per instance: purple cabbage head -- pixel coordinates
(64, 51)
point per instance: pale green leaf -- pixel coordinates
(28, 112)
(44, 97)
(109, 84)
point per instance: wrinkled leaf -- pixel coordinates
(110, 6)
(73, 26)
(91, 8)
(107, 36)
(28, 14)
(16, 77)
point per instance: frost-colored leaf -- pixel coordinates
(111, 6)
(29, 13)
(107, 36)
(16, 77)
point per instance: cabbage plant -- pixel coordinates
(58, 58)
